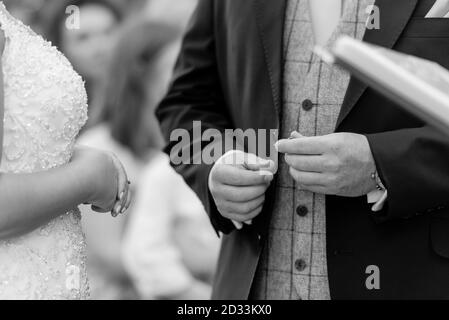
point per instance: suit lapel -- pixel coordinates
(394, 16)
(270, 17)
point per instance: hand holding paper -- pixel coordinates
(336, 164)
(238, 182)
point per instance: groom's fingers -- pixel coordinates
(243, 218)
(241, 194)
(242, 210)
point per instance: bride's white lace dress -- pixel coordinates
(45, 107)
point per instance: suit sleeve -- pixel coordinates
(195, 95)
(414, 166)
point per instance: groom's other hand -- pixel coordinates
(337, 164)
(238, 182)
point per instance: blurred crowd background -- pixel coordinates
(164, 247)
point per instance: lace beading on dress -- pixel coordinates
(45, 108)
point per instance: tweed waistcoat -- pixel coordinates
(293, 264)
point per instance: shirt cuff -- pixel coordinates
(378, 198)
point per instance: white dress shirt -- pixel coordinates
(324, 22)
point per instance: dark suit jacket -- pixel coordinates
(229, 75)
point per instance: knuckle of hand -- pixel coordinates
(337, 144)
(329, 165)
(332, 181)
(335, 149)
(224, 212)
(336, 166)
(338, 163)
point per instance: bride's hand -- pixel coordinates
(107, 177)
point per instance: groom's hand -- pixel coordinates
(336, 164)
(238, 182)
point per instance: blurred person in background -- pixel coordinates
(169, 249)
(123, 127)
(167, 224)
(89, 47)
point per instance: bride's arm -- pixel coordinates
(28, 201)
